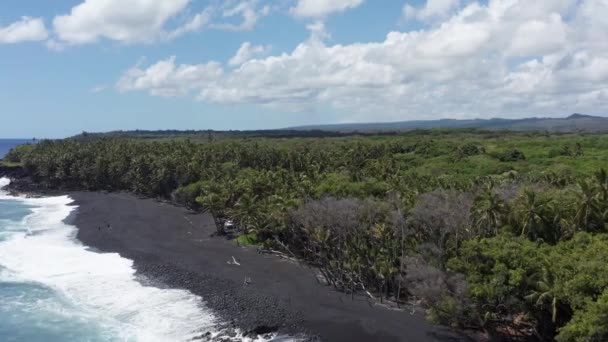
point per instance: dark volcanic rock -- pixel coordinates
(14, 172)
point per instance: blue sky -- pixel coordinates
(98, 65)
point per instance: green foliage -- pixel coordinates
(9, 164)
(16, 154)
(469, 149)
(187, 195)
(513, 277)
(590, 324)
(341, 185)
(567, 151)
(497, 271)
(495, 231)
(512, 155)
(248, 239)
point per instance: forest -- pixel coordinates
(498, 232)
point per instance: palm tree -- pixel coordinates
(601, 176)
(542, 293)
(215, 201)
(531, 213)
(489, 212)
(246, 212)
(588, 207)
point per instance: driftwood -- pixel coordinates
(233, 262)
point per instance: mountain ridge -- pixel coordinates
(574, 122)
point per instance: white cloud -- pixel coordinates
(27, 29)
(119, 20)
(322, 8)
(197, 22)
(506, 58)
(165, 78)
(433, 9)
(539, 36)
(144, 21)
(250, 11)
(318, 31)
(246, 52)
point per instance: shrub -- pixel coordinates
(444, 293)
(469, 149)
(588, 325)
(16, 154)
(186, 195)
(511, 156)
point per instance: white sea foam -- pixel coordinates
(102, 285)
(4, 182)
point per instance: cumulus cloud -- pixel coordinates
(504, 58)
(246, 52)
(144, 21)
(165, 78)
(322, 8)
(539, 36)
(124, 21)
(433, 9)
(24, 30)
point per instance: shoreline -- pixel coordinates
(173, 248)
(263, 294)
(77, 292)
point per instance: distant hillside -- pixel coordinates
(573, 123)
(215, 135)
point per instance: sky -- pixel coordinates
(68, 66)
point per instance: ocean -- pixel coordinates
(53, 288)
(7, 144)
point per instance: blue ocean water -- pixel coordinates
(7, 144)
(54, 289)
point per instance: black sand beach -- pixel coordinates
(174, 248)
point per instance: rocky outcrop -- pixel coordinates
(22, 183)
(12, 172)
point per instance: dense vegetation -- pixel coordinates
(218, 135)
(12, 160)
(501, 232)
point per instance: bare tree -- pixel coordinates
(352, 241)
(442, 219)
(442, 291)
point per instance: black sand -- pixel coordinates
(174, 248)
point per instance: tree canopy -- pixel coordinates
(505, 233)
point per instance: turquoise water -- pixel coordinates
(53, 288)
(34, 312)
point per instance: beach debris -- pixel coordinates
(233, 262)
(229, 225)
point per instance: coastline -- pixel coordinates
(173, 247)
(56, 288)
